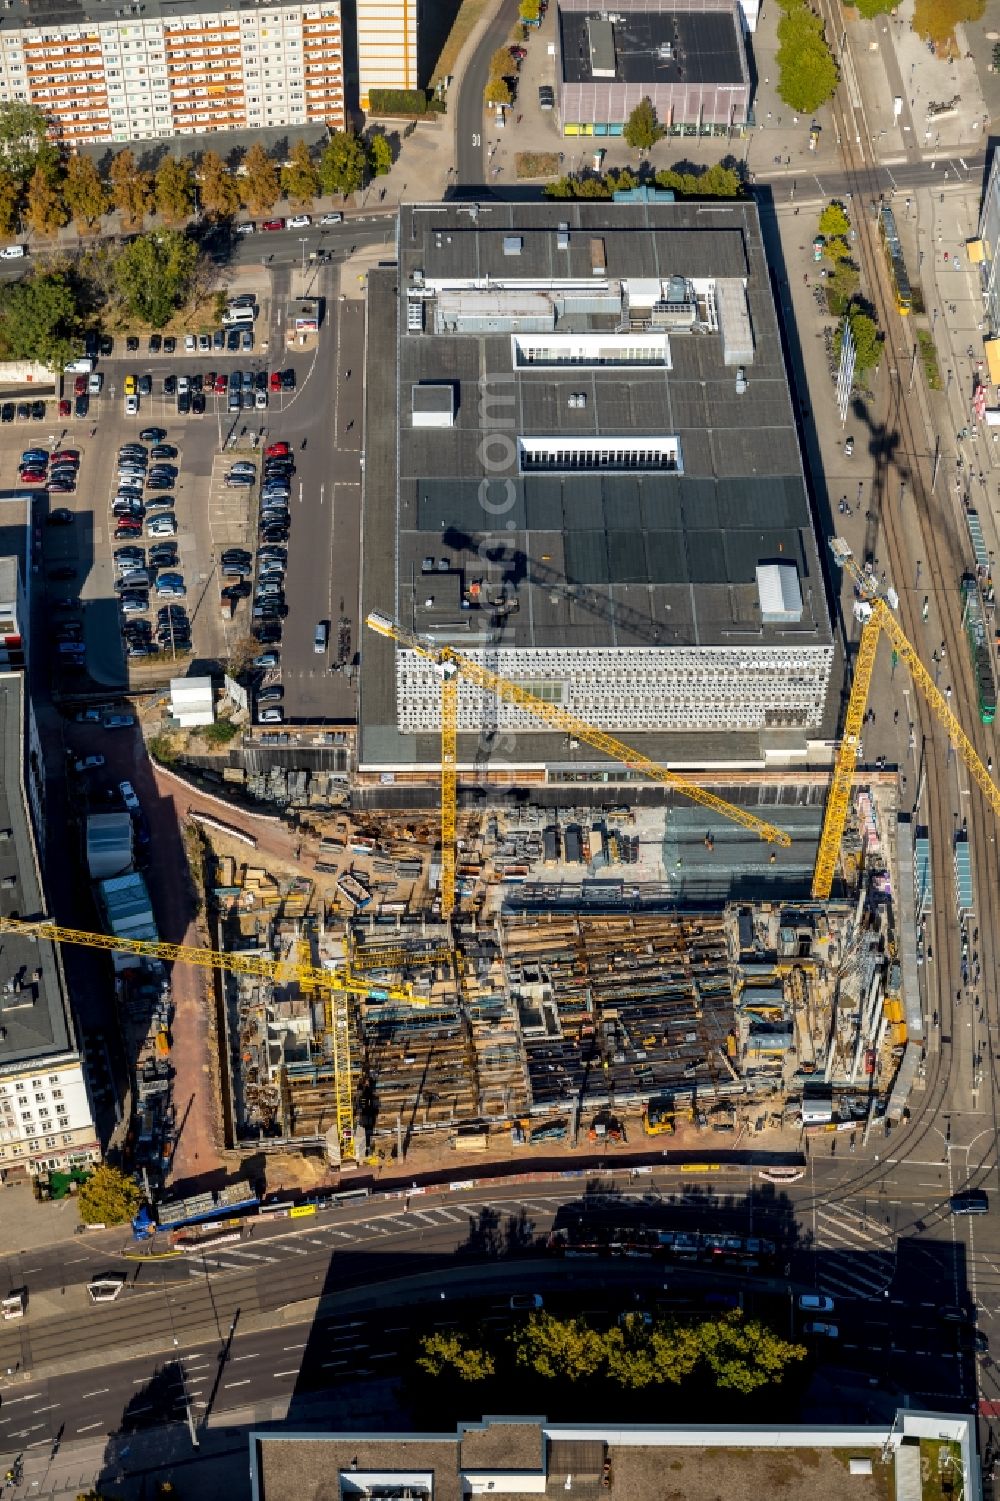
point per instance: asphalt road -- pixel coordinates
(470, 129)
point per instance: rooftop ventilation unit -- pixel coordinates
(512, 244)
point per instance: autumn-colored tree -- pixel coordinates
(379, 154)
(743, 1354)
(83, 193)
(935, 20)
(565, 1349)
(259, 183)
(131, 189)
(443, 1354)
(9, 198)
(175, 189)
(220, 192)
(43, 210)
(300, 179)
(109, 1197)
(497, 91)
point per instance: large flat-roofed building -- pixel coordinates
(521, 1457)
(105, 72)
(46, 1116)
(593, 486)
(387, 46)
(686, 56)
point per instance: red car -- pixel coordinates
(65, 408)
(32, 476)
(275, 380)
(80, 386)
(277, 450)
(273, 224)
(220, 385)
(66, 456)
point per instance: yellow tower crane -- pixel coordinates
(453, 664)
(876, 612)
(336, 986)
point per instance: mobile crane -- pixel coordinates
(454, 665)
(335, 986)
(875, 611)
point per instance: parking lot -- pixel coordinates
(317, 411)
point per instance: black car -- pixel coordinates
(197, 383)
(275, 534)
(81, 406)
(183, 403)
(155, 343)
(274, 554)
(60, 517)
(145, 385)
(198, 403)
(153, 434)
(131, 344)
(169, 385)
(163, 560)
(163, 470)
(169, 344)
(163, 451)
(7, 411)
(23, 411)
(105, 346)
(233, 340)
(38, 411)
(237, 555)
(288, 380)
(260, 380)
(267, 632)
(159, 482)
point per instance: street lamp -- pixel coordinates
(303, 241)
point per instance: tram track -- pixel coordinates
(902, 455)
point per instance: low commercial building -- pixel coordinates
(686, 56)
(527, 1456)
(593, 488)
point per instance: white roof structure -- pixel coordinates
(191, 701)
(109, 844)
(780, 593)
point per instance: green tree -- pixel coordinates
(834, 222)
(43, 210)
(300, 179)
(175, 189)
(220, 191)
(867, 339)
(642, 129)
(109, 1197)
(869, 9)
(497, 91)
(259, 183)
(379, 154)
(342, 165)
(10, 197)
(843, 281)
(443, 1354)
(38, 320)
(935, 20)
(154, 274)
(559, 1349)
(23, 137)
(131, 189)
(744, 1355)
(808, 72)
(83, 193)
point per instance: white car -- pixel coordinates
(332, 219)
(260, 401)
(183, 384)
(246, 229)
(88, 763)
(162, 526)
(190, 343)
(13, 252)
(128, 796)
(131, 406)
(815, 1303)
(298, 221)
(270, 716)
(95, 383)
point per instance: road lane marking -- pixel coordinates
(87, 1427)
(284, 1373)
(254, 1355)
(102, 1391)
(31, 1397)
(51, 1407)
(230, 1384)
(300, 1346)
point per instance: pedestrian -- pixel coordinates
(943, 651)
(895, 717)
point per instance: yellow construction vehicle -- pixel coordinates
(336, 986)
(876, 613)
(453, 665)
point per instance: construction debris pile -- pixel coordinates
(144, 1006)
